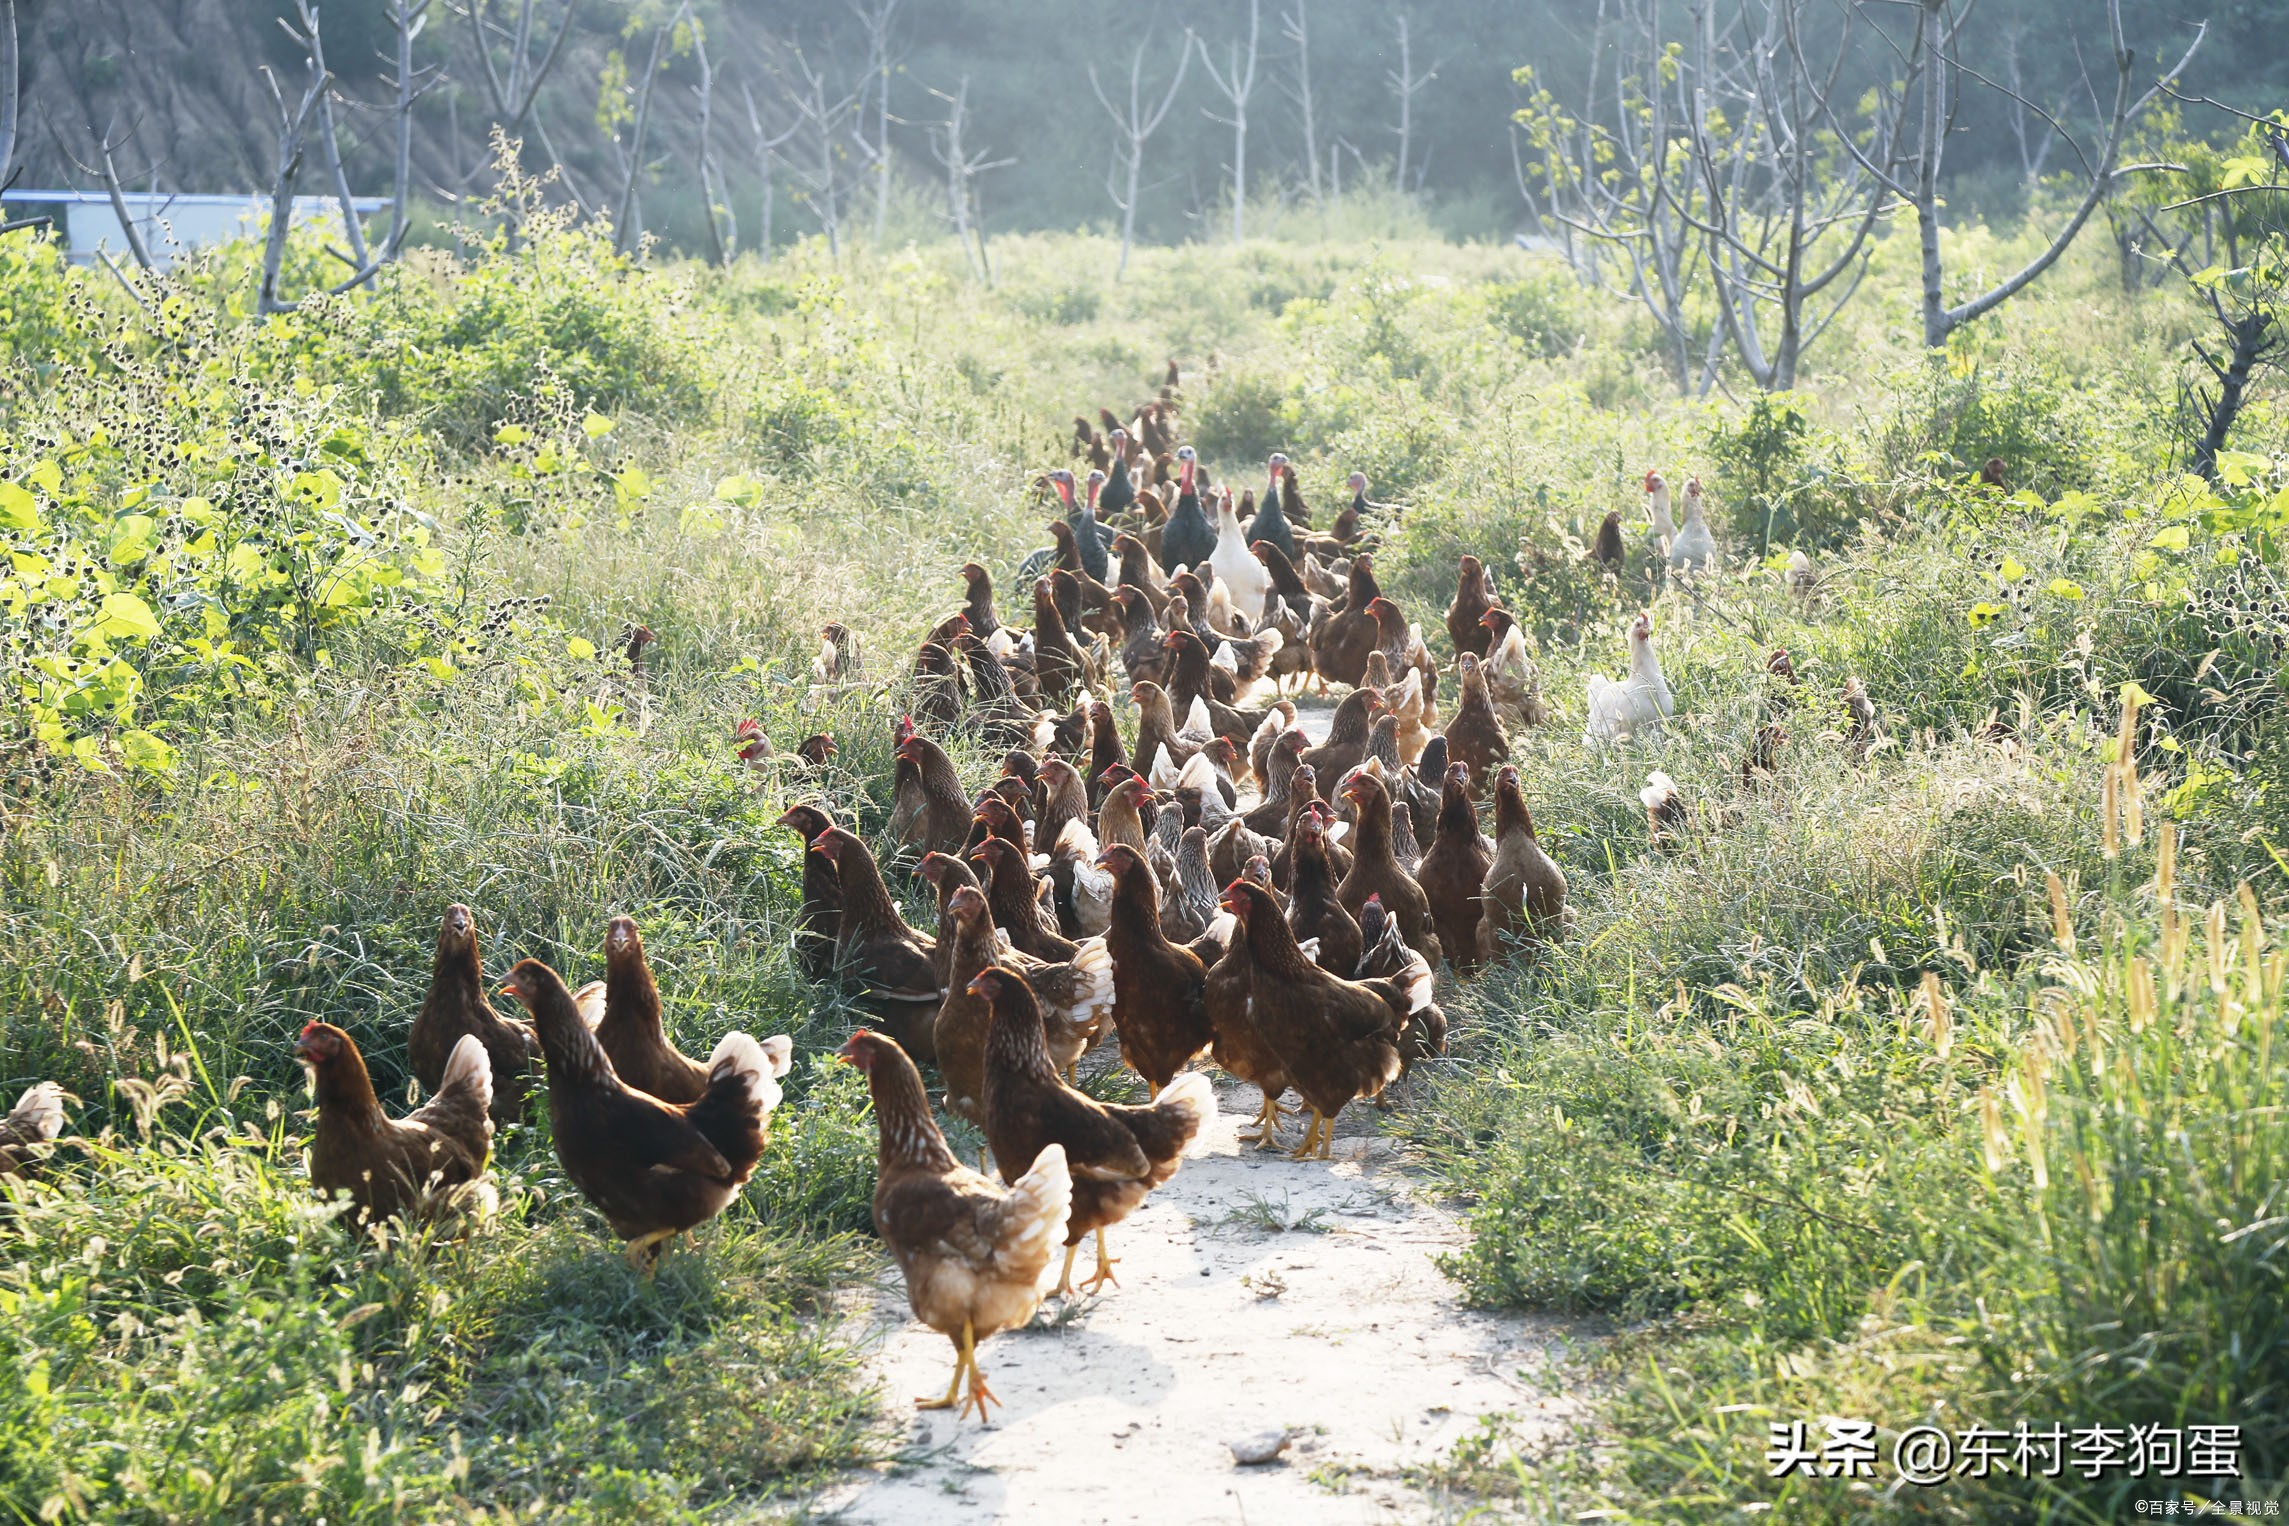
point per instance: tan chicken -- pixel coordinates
(972, 1251)
(431, 1160)
(1525, 889)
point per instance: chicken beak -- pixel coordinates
(507, 990)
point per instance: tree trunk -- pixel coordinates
(2249, 342)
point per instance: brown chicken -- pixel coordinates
(1348, 734)
(821, 905)
(1608, 549)
(1160, 989)
(1475, 735)
(1336, 1039)
(1313, 910)
(1525, 890)
(1015, 896)
(978, 604)
(932, 812)
(1076, 995)
(31, 1126)
(1453, 874)
(1117, 1154)
(1473, 597)
(1375, 871)
(653, 1169)
(972, 1251)
(1340, 646)
(431, 1160)
(633, 1030)
(456, 1007)
(1240, 1046)
(874, 947)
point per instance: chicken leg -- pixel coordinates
(1105, 1265)
(1268, 1119)
(1316, 1138)
(1064, 1288)
(645, 1251)
(965, 1360)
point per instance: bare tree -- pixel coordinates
(407, 18)
(2034, 147)
(130, 227)
(293, 126)
(1295, 25)
(1405, 84)
(821, 115)
(714, 194)
(1787, 217)
(962, 170)
(11, 87)
(626, 216)
(767, 145)
(1606, 174)
(1134, 127)
(512, 86)
(875, 17)
(1236, 82)
(1927, 85)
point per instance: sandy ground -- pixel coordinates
(1256, 1294)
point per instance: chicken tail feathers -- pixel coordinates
(1038, 1205)
(38, 1116)
(588, 1001)
(1186, 1103)
(469, 1072)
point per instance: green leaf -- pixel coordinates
(141, 749)
(511, 434)
(126, 617)
(2175, 538)
(595, 425)
(2011, 571)
(1983, 613)
(19, 510)
(46, 476)
(581, 649)
(633, 485)
(131, 539)
(2064, 589)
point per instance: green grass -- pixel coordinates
(1715, 1115)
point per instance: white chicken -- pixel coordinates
(1244, 577)
(1513, 683)
(1693, 548)
(1657, 506)
(1803, 582)
(1633, 709)
(1077, 847)
(1665, 814)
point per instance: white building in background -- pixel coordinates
(172, 224)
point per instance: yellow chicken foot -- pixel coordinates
(980, 1395)
(1267, 1124)
(1064, 1288)
(965, 1358)
(1310, 1143)
(1105, 1265)
(642, 1257)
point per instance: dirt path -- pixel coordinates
(1257, 1294)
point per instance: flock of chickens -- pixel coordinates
(1077, 895)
